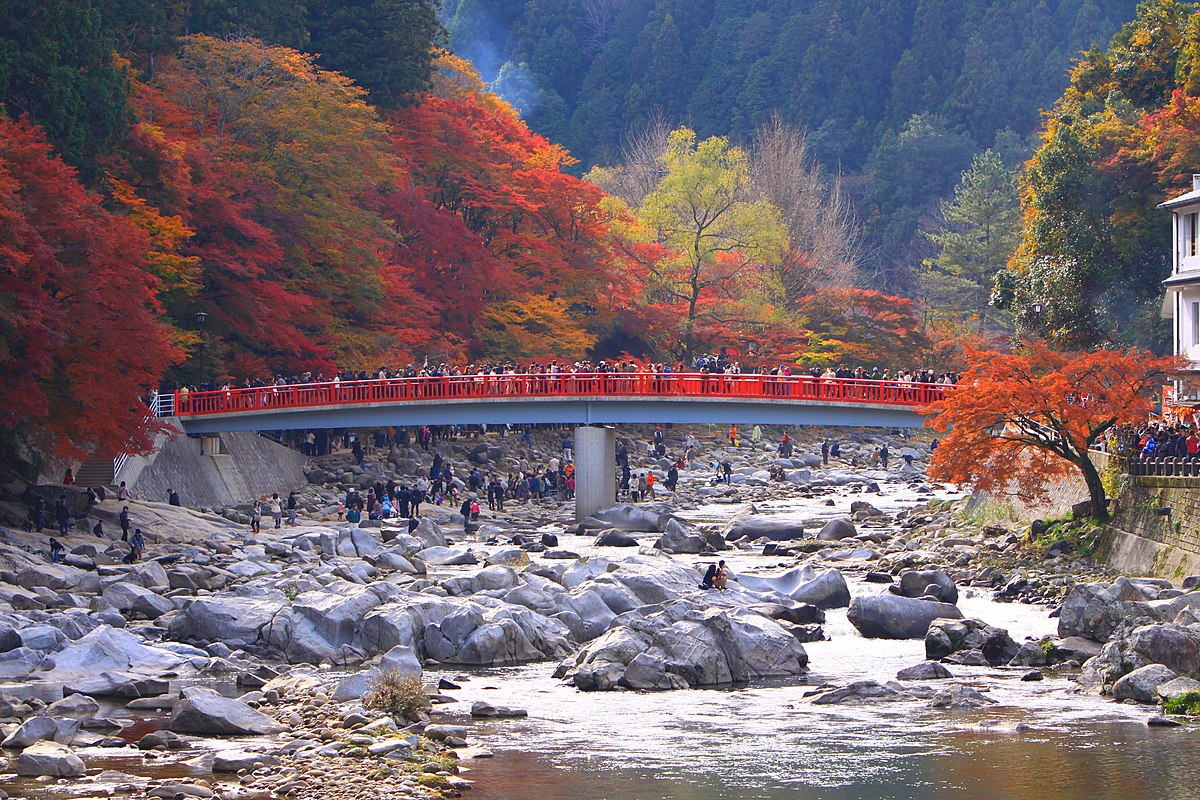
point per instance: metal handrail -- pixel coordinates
(538, 385)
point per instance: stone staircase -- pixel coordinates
(95, 472)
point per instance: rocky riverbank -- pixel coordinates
(241, 660)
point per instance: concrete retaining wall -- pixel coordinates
(1147, 538)
(216, 471)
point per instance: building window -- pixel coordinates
(1192, 229)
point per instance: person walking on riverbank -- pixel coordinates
(825, 452)
(62, 515)
(276, 510)
(255, 518)
(123, 519)
(733, 436)
(293, 506)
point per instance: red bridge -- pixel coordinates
(574, 398)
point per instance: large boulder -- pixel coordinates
(203, 711)
(686, 644)
(1176, 647)
(836, 530)
(824, 590)
(236, 621)
(49, 759)
(916, 583)
(1142, 684)
(1095, 610)
(429, 534)
(679, 539)
(615, 538)
(326, 624)
(755, 527)
(43, 729)
(134, 599)
(948, 636)
(629, 517)
(105, 650)
(866, 691)
(889, 616)
(925, 671)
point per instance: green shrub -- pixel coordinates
(398, 694)
(1187, 703)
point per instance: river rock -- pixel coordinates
(51, 759)
(836, 530)
(401, 658)
(890, 616)
(865, 691)
(1177, 687)
(203, 711)
(448, 556)
(114, 650)
(615, 538)
(915, 583)
(678, 539)
(756, 527)
(1142, 684)
(233, 761)
(1095, 610)
(686, 644)
(43, 728)
(236, 621)
(946, 636)
(865, 509)
(925, 671)
(959, 696)
(76, 706)
(429, 534)
(485, 710)
(629, 517)
(825, 590)
(1176, 647)
(134, 599)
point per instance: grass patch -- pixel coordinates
(398, 694)
(1187, 704)
(1083, 534)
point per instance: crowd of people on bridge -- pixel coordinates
(708, 364)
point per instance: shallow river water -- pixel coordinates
(764, 742)
(1042, 740)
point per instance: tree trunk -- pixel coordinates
(1095, 489)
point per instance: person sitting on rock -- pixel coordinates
(57, 551)
(722, 576)
(709, 576)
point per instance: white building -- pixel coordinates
(1182, 302)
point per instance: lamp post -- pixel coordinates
(200, 317)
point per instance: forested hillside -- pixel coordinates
(900, 92)
(850, 70)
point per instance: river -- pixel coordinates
(765, 742)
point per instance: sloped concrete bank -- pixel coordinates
(215, 471)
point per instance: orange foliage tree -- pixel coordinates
(861, 326)
(1029, 417)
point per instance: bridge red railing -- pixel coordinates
(482, 387)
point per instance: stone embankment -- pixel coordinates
(294, 626)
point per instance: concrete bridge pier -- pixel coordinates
(595, 469)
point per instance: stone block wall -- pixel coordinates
(1148, 539)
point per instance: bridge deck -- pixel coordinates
(571, 398)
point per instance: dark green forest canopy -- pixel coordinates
(849, 70)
